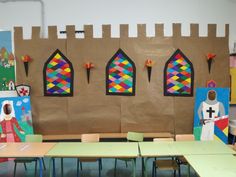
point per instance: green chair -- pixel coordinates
(131, 137)
(134, 137)
(33, 139)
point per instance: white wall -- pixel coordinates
(115, 12)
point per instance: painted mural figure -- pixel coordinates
(8, 123)
(209, 111)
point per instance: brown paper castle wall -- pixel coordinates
(90, 110)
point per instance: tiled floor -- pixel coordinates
(89, 169)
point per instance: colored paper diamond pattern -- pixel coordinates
(120, 75)
(178, 75)
(58, 76)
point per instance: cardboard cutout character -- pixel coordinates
(9, 123)
(208, 112)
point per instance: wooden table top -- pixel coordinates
(25, 149)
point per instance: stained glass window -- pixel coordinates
(178, 75)
(58, 75)
(120, 75)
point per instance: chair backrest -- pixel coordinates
(135, 136)
(85, 138)
(36, 138)
(162, 139)
(184, 137)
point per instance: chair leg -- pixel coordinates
(81, 166)
(142, 166)
(44, 166)
(133, 167)
(153, 169)
(99, 167)
(115, 168)
(25, 166)
(101, 164)
(54, 167)
(126, 163)
(62, 169)
(35, 170)
(78, 167)
(174, 173)
(179, 172)
(40, 160)
(188, 170)
(15, 169)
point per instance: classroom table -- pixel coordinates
(178, 148)
(218, 165)
(31, 150)
(181, 148)
(94, 150)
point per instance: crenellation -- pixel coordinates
(141, 31)
(35, 32)
(211, 30)
(194, 30)
(159, 30)
(124, 31)
(18, 33)
(176, 29)
(88, 31)
(52, 32)
(70, 31)
(106, 31)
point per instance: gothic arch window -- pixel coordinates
(178, 75)
(120, 75)
(58, 75)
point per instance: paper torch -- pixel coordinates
(26, 59)
(88, 66)
(149, 63)
(210, 57)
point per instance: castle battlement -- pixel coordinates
(124, 32)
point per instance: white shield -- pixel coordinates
(23, 90)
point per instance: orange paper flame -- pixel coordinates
(149, 63)
(26, 58)
(89, 65)
(211, 56)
